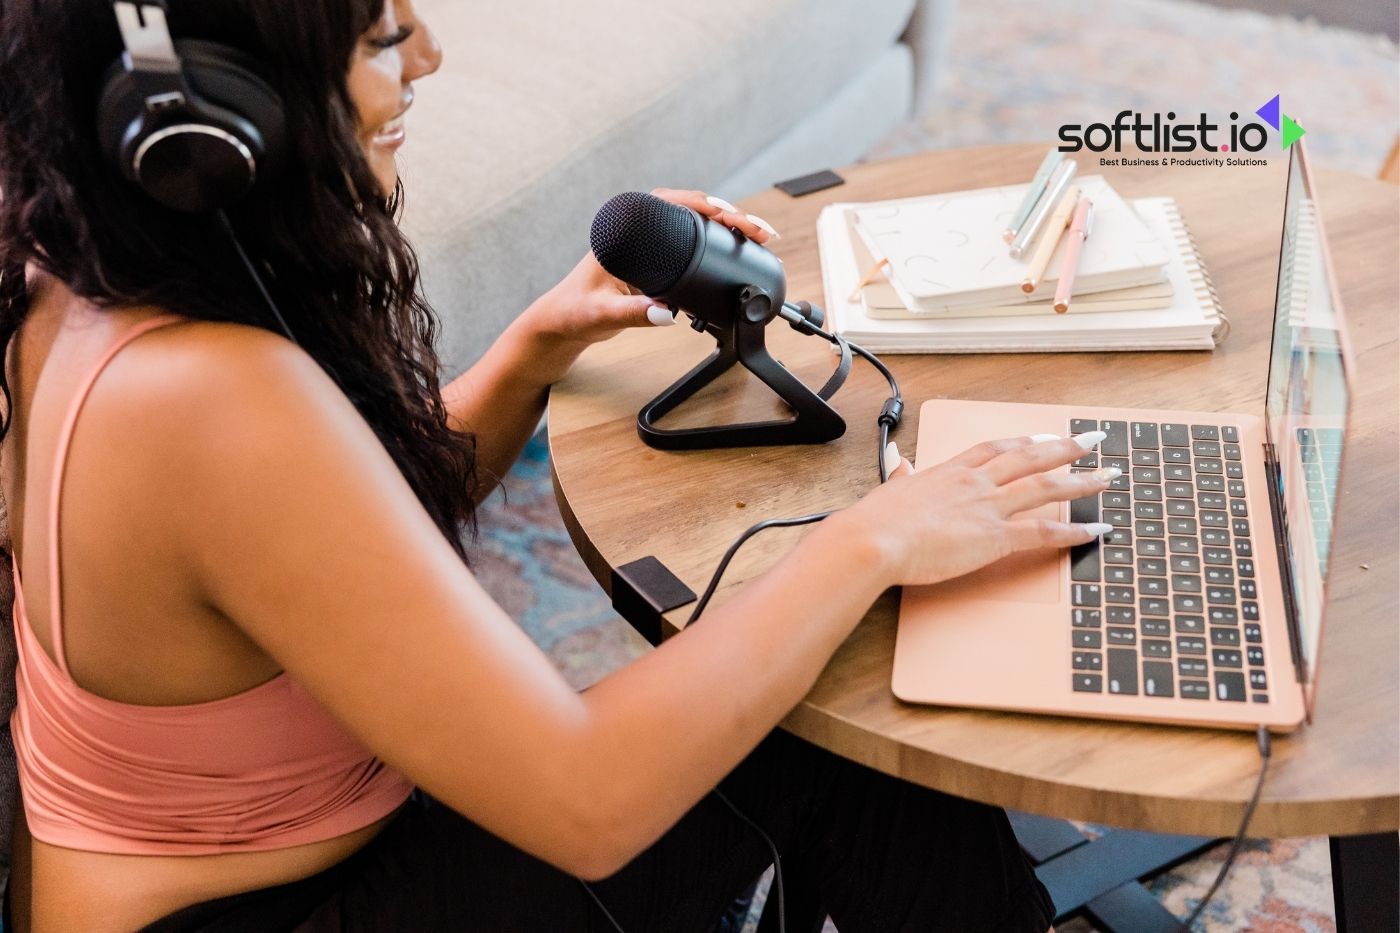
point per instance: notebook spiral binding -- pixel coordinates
(1200, 278)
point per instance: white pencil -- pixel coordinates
(1033, 192)
(1059, 183)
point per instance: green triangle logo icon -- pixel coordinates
(1291, 132)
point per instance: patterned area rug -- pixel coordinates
(527, 563)
(1015, 73)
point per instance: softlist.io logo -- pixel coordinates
(1289, 131)
(1169, 140)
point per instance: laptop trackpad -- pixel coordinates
(1024, 577)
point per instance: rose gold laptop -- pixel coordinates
(1204, 605)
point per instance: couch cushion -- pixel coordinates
(841, 131)
(543, 109)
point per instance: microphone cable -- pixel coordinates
(890, 414)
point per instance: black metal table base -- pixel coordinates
(1366, 882)
(1101, 878)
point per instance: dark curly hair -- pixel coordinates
(321, 232)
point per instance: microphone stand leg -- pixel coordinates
(814, 421)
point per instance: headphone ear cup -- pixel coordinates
(238, 122)
(230, 80)
(121, 115)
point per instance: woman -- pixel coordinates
(260, 633)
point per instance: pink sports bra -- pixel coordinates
(263, 769)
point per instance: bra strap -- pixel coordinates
(65, 436)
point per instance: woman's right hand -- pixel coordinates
(951, 519)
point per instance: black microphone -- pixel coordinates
(731, 287)
(671, 253)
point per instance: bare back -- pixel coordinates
(135, 630)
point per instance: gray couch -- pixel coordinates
(545, 108)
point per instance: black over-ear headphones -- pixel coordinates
(190, 122)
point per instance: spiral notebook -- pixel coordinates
(1193, 320)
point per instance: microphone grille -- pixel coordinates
(643, 240)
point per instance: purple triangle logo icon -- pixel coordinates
(1269, 112)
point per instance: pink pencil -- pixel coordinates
(1079, 229)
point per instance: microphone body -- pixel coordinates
(692, 263)
(731, 287)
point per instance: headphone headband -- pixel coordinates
(146, 35)
(149, 54)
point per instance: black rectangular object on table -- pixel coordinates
(644, 589)
(808, 184)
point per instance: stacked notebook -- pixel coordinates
(949, 285)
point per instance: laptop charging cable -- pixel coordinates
(1265, 750)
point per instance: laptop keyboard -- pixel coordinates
(1166, 604)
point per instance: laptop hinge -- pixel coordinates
(1285, 565)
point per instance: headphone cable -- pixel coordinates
(253, 274)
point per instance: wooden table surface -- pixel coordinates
(622, 500)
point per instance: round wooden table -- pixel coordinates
(622, 500)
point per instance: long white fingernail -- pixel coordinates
(721, 203)
(764, 225)
(1107, 474)
(1090, 439)
(891, 457)
(1042, 438)
(1098, 529)
(660, 316)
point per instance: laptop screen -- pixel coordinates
(1308, 398)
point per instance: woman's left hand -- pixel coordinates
(590, 305)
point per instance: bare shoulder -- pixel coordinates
(212, 435)
(180, 384)
(205, 359)
(186, 409)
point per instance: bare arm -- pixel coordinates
(502, 397)
(301, 530)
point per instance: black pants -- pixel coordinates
(887, 856)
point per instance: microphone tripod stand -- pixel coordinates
(741, 341)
